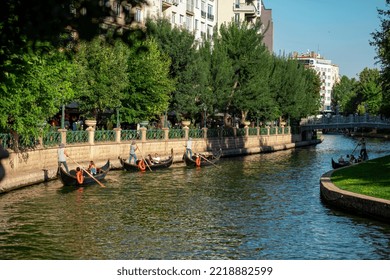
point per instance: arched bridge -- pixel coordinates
(343, 122)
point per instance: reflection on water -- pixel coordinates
(264, 206)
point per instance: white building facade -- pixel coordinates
(196, 16)
(329, 75)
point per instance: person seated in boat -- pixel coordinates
(149, 160)
(156, 158)
(352, 159)
(79, 174)
(92, 168)
(341, 159)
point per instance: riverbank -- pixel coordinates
(37, 166)
(362, 189)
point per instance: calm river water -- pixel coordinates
(264, 206)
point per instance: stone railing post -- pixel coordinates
(204, 132)
(235, 132)
(63, 135)
(246, 129)
(186, 132)
(166, 133)
(117, 134)
(91, 135)
(143, 134)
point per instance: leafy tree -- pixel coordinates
(312, 92)
(150, 86)
(35, 92)
(179, 45)
(343, 93)
(370, 90)
(381, 40)
(102, 75)
(221, 77)
(292, 95)
(251, 66)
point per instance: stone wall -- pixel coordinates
(355, 203)
(38, 165)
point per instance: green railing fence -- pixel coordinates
(53, 138)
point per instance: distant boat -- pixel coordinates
(202, 160)
(336, 165)
(142, 166)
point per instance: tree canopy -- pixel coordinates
(381, 41)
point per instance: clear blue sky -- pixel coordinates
(340, 30)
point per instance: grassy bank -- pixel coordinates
(369, 178)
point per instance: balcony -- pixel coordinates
(244, 8)
(168, 3)
(190, 9)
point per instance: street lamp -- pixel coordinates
(63, 117)
(205, 115)
(117, 118)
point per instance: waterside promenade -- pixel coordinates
(32, 166)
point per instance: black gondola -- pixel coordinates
(199, 160)
(70, 179)
(142, 166)
(336, 165)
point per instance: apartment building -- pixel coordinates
(197, 16)
(248, 11)
(328, 73)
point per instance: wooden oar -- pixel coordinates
(89, 174)
(209, 161)
(143, 158)
(355, 148)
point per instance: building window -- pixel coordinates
(210, 14)
(237, 17)
(209, 31)
(196, 24)
(181, 21)
(189, 23)
(173, 18)
(117, 9)
(138, 15)
(203, 9)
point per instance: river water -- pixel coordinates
(264, 206)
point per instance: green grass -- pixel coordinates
(369, 178)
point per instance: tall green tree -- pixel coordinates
(149, 84)
(343, 92)
(180, 46)
(102, 75)
(370, 91)
(35, 92)
(251, 66)
(291, 95)
(381, 41)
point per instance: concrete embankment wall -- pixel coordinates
(352, 202)
(35, 166)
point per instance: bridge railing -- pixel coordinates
(339, 119)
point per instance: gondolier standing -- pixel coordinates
(133, 148)
(189, 148)
(363, 151)
(62, 154)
